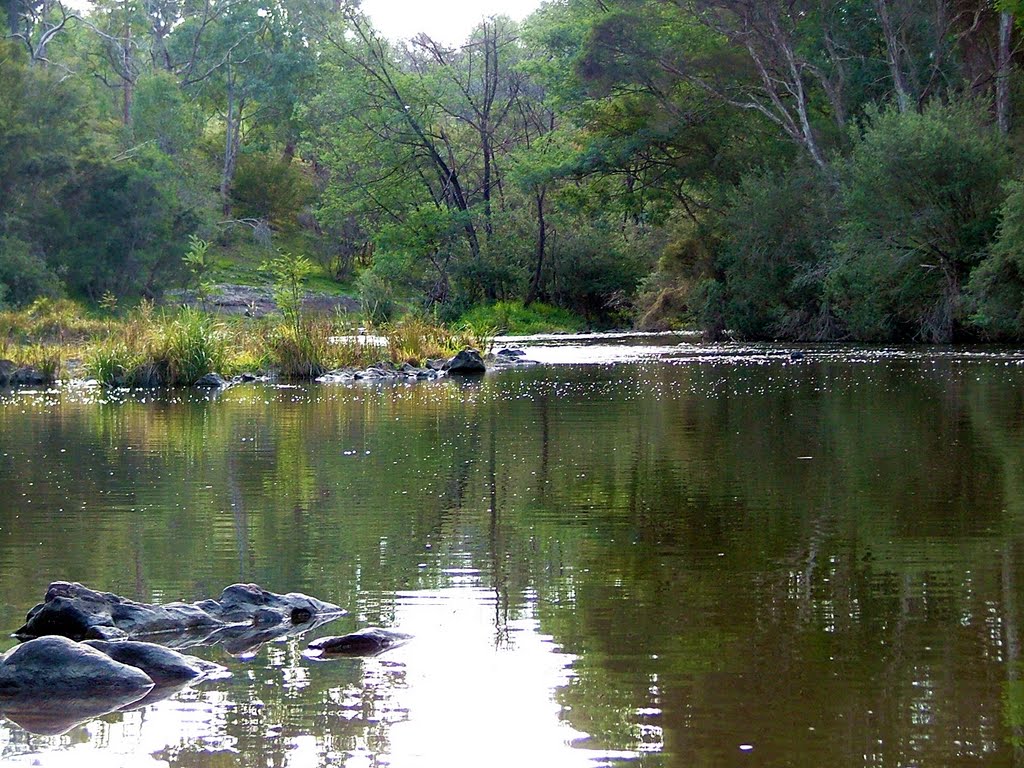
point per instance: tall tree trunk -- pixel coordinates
(231, 132)
(1003, 72)
(12, 7)
(892, 48)
(128, 85)
(542, 234)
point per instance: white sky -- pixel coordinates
(447, 21)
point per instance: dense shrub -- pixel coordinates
(117, 229)
(997, 284)
(776, 247)
(24, 276)
(922, 193)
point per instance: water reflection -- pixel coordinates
(692, 560)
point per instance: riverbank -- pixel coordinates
(150, 346)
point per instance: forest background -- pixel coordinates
(804, 170)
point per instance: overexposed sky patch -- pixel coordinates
(447, 21)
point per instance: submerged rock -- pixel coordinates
(365, 642)
(75, 611)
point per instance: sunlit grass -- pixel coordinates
(149, 346)
(513, 317)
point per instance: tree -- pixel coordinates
(922, 193)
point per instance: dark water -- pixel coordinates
(704, 559)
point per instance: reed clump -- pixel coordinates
(416, 339)
(150, 349)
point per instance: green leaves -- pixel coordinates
(289, 274)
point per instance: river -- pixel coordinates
(642, 552)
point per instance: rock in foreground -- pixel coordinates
(77, 612)
(60, 666)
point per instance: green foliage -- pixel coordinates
(775, 253)
(512, 317)
(997, 284)
(24, 276)
(161, 115)
(272, 189)
(115, 229)
(289, 274)
(198, 260)
(596, 270)
(921, 192)
(638, 161)
(377, 298)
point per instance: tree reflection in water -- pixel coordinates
(629, 563)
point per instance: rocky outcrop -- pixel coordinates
(365, 642)
(51, 684)
(61, 666)
(75, 611)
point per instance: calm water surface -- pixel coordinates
(663, 555)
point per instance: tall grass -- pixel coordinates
(415, 339)
(301, 349)
(152, 350)
(513, 317)
(148, 347)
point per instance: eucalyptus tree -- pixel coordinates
(416, 141)
(249, 69)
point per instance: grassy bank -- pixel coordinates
(149, 346)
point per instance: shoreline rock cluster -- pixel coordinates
(80, 657)
(468, 362)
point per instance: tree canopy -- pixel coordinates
(818, 169)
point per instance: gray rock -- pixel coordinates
(241, 602)
(467, 362)
(75, 611)
(339, 374)
(61, 667)
(212, 381)
(437, 364)
(508, 352)
(365, 642)
(162, 665)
